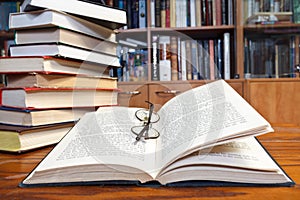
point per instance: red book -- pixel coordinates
(168, 13)
(44, 98)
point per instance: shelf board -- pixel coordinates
(286, 28)
(202, 32)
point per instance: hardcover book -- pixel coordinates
(20, 139)
(39, 117)
(46, 98)
(202, 136)
(59, 81)
(49, 65)
(104, 15)
(54, 18)
(65, 36)
(64, 51)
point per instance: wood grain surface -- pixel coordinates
(283, 145)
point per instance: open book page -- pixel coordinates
(242, 153)
(204, 116)
(103, 137)
(235, 157)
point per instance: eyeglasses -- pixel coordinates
(148, 117)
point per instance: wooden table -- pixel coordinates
(283, 145)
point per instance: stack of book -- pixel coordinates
(58, 70)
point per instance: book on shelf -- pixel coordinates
(19, 139)
(205, 138)
(155, 59)
(7, 7)
(226, 55)
(270, 57)
(164, 58)
(109, 17)
(54, 18)
(142, 13)
(296, 11)
(64, 36)
(48, 65)
(39, 117)
(46, 98)
(64, 51)
(59, 81)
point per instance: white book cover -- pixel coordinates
(104, 15)
(64, 51)
(54, 18)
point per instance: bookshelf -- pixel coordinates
(161, 91)
(271, 38)
(201, 31)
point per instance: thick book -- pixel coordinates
(19, 139)
(64, 36)
(54, 18)
(203, 134)
(110, 17)
(46, 98)
(39, 117)
(50, 65)
(64, 51)
(59, 81)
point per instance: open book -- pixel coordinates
(206, 134)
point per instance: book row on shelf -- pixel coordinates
(177, 13)
(271, 57)
(58, 70)
(177, 58)
(271, 12)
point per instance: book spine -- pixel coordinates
(174, 55)
(218, 4)
(165, 58)
(173, 13)
(211, 60)
(142, 13)
(168, 13)
(189, 60)
(129, 14)
(178, 13)
(152, 12)
(163, 13)
(226, 49)
(188, 13)
(179, 67)
(209, 13)
(219, 59)
(194, 59)
(198, 13)
(214, 12)
(155, 59)
(183, 61)
(203, 13)
(224, 12)
(157, 14)
(296, 11)
(206, 58)
(230, 12)
(135, 14)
